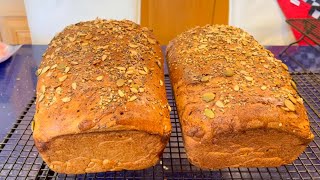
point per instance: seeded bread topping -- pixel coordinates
(247, 66)
(101, 76)
(225, 82)
(97, 53)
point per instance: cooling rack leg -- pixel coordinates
(285, 50)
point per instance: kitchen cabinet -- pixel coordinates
(14, 27)
(168, 18)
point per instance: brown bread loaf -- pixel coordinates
(237, 104)
(101, 102)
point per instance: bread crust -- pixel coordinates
(98, 78)
(226, 84)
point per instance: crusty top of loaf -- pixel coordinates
(225, 81)
(101, 76)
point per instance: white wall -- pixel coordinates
(261, 18)
(47, 17)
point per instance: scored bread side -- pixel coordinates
(237, 103)
(101, 103)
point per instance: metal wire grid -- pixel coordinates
(19, 158)
(310, 30)
(309, 27)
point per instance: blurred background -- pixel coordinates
(37, 21)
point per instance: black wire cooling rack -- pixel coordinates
(309, 29)
(19, 159)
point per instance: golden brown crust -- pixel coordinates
(101, 76)
(225, 83)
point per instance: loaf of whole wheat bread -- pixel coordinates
(237, 103)
(101, 101)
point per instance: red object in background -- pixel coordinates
(292, 11)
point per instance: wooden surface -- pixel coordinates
(168, 18)
(14, 27)
(221, 12)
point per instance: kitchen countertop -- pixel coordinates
(18, 79)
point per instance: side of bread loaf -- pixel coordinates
(237, 104)
(101, 102)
